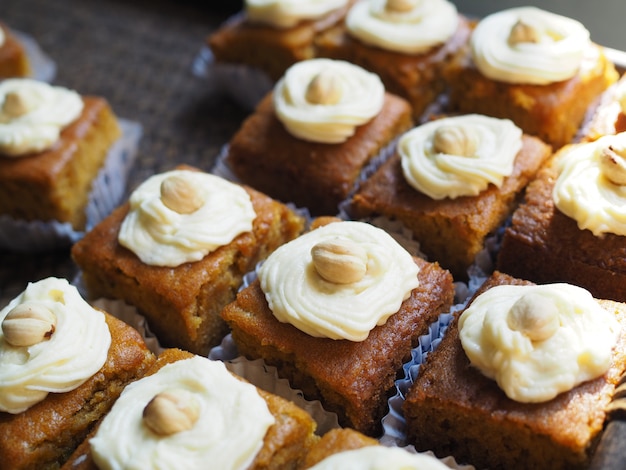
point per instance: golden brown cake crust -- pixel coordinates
(45, 435)
(450, 231)
(553, 112)
(313, 175)
(544, 245)
(335, 441)
(352, 379)
(272, 50)
(55, 184)
(182, 304)
(416, 77)
(14, 62)
(452, 409)
(285, 445)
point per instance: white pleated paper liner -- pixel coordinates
(246, 85)
(108, 190)
(43, 67)
(393, 423)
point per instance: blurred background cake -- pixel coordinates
(406, 42)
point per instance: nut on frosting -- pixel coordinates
(288, 13)
(171, 411)
(51, 341)
(33, 114)
(28, 324)
(338, 281)
(538, 341)
(330, 108)
(459, 156)
(404, 26)
(182, 215)
(528, 45)
(219, 421)
(590, 188)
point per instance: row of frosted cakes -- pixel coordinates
(539, 69)
(288, 259)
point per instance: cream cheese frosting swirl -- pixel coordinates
(228, 433)
(357, 96)
(297, 293)
(459, 156)
(427, 24)
(585, 190)
(161, 235)
(33, 114)
(538, 341)
(379, 458)
(550, 50)
(288, 13)
(74, 352)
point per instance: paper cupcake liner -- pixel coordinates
(107, 191)
(394, 425)
(246, 85)
(43, 68)
(129, 315)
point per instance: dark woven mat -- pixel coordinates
(138, 54)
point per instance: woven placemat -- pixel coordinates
(138, 54)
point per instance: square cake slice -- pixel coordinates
(453, 409)
(352, 379)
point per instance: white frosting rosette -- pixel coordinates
(76, 349)
(549, 50)
(585, 190)
(297, 293)
(475, 151)
(33, 114)
(427, 24)
(288, 13)
(538, 341)
(380, 458)
(231, 420)
(163, 236)
(359, 96)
